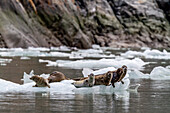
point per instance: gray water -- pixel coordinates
(152, 96)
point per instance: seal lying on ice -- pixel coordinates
(108, 78)
(40, 81)
(101, 79)
(57, 76)
(88, 82)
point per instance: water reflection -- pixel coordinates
(46, 102)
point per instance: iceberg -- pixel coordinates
(102, 63)
(136, 74)
(160, 73)
(3, 62)
(150, 54)
(63, 87)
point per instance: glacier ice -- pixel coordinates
(102, 63)
(150, 54)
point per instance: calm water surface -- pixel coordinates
(152, 96)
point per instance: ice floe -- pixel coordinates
(3, 61)
(74, 53)
(63, 87)
(150, 54)
(89, 54)
(63, 51)
(136, 74)
(158, 73)
(98, 64)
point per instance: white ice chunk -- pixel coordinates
(3, 61)
(94, 46)
(87, 71)
(152, 54)
(136, 74)
(90, 51)
(7, 86)
(62, 48)
(25, 58)
(168, 67)
(160, 73)
(59, 54)
(26, 77)
(103, 63)
(38, 49)
(50, 63)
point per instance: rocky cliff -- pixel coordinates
(81, 23)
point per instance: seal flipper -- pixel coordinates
(113, 85)
(35, 85)
(48, 85)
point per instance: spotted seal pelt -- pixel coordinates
(57, 76)
(104, 79)
(88, 82)
(40, 81)
(118, 75)
(101, 79)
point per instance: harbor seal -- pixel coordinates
(40, 81)
(57, 76)
(118, 75)
(88, 82)
(104, 79)
(101, 79)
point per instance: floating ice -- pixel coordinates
(168, 67)
(151, 54)
(100, 71)
(87, 71)
(103, 63)
(136, 74)
(81, 55)
(3, 61)
(95, 52)
(25, 58)
(63, 48)
(59, 54)
(118, 85)
(26, 77)
(160, 73)
(38, 49)
(63, 51)
(63, 87)
(50, 63)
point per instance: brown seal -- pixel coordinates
(40, 81)
(88, 82)
(119, 74)
(104, 79)
(57, 76)
(101, 79)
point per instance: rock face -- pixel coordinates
(81, 23)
